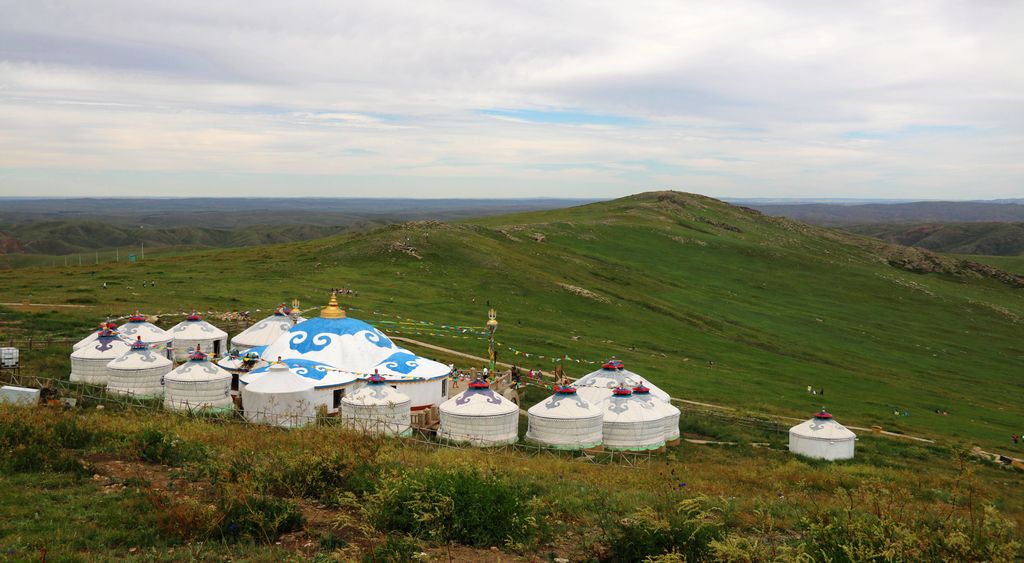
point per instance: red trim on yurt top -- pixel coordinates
(641, 389)
(565, 390)
(823, 415)
(376, 379)
(621, 392)
(139, 344)
(195, 316)
(479, 384)
(137, 318)
(612, 364)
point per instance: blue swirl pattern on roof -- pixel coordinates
(403, 362)
(315, 334)
(305, 368)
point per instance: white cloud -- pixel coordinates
(729, 98)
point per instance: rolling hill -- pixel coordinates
(986, 238)
(908, 212)
(715, 302)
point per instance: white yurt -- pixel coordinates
(138, 327)
(265, 332)
(139, 372)
(480, 417)
(330, 385)
(198, 384)
(597, 386)
(631, 423)
(104, 326)
(279, 398)
(350, 345)
(566, 421)
(377, 408)
(194, 331)
(89, 363)
(670, 413)
(823, 438)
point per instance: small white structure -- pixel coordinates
(566, 421)
(265, 332)
(193, 332)
(330, 385)
(823, 438)
(480, 417)
(139, 372)
(631, 423)
(239, 363)
(9, 357)
(279, 398)
(198, 384)
(103, 327)
(669, 412)
(597, 386)
(23, 396)
(157, 338)
(377, 408)
(89, 363)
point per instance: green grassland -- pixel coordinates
(713, 302)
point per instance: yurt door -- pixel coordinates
(216, 348)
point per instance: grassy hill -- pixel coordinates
(716, 303)
(998, 239)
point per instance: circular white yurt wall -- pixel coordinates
(194, 331)
(157, 338)
(198, 384)
(377, 408)
(566, 421)
(89, 363)
(669, 412)
(480, 417)
(597, 385)
(266, 331)
(631, 423)
(139, 372)
(280, 398)
(823, 438)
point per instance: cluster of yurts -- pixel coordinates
(290, 368)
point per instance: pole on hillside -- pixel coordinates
(492, 325)
(117, 254)
(97, 256)
(143, 250)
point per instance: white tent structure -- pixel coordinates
(330, 385)
(480, 417)
(139, 372)
(194, 331)
(89, 363)
(157, 338)
(344, 345)
(566, 421)
(631, 423)
(238, 363)
(597, 386)
(670, 413)
(823, 438)
(377, 408)
(103, 327)
(265, 332)
(198, 384)
(279, 398)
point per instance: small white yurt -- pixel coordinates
(480, 417)
(89, 363)
(265, 332)
(104, 326)
(138, 327)
(823, 438)
(238, 363)
(194, 331)
(140, 372)
(597, 386)
(280, 398)
(566, 421)
(631, 423)
(198, 384)
(377, 408)
(669, 411)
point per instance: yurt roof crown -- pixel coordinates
(107, 332)
(282, 311)
(823, 414)
(622, 392)
(197, 355)
(479, 384)
(642, 390)
(375, 379)
(194, 316)
(139, 344)
(137, 318)
(613, 364)
(332, 310)
(565, 390)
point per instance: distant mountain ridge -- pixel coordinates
(993, 239)
(915, 212)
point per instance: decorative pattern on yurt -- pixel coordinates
(279, 398)
(194, 331)
(566, 421)
(480, 417)
(157, 338)
(632, 423)
(377, 408)
(89, 363)
(266, 331)
(822, 437)
(198, 384)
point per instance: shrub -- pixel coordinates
(460, 505)
(156, 447)
(263, 518)
(69, 434)
(688, 532)
(395, 549)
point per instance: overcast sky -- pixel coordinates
(900, 99)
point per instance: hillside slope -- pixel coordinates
(995, 239)
(715, 302)
(911, 212)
